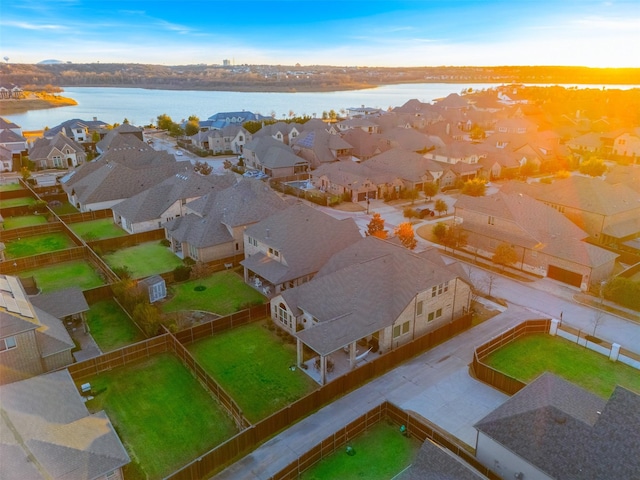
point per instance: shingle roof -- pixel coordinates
(48, 424)
(407, 165)
(61, 303)
(43, 146)
(570, 433)
(435, 463)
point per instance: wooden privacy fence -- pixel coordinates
(131, 240)
(86, 216)
(30, 231)
(248, 439)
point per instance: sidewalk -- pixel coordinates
(436, 385)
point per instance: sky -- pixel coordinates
(310, 32)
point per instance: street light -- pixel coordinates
(367, 203)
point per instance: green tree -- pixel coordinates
(440, 206)
(95, 137)
(375, 228)
(191, 128)
(475, 187)
(623, 291)
(405, 234)
(412, 195)
(455, 237)
(504, 255)
(147, 317)
(593, 167)
(527, 169)
(409, 212)
(430, 189)
(164, 122)
(25, 173)
(439, 230)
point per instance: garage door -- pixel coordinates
(564, 276)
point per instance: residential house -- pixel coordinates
(11, 90)
(499, 163)
(58, 151)
(414, 169)
(282, 131)
(515, 125)
(453, 101)
(125, 133)
(552, 430)
(512, 95)
(224, 119)
(610, 214)
(167, 200)
(6, 159)
(363, 112)
(11, 139)
(626, 144)
(372, 294)
(416, 113)
(274, 158)
(458, 173)
(48, 433)
(229, 139)
(119, 173)
(80, 131)
(288, 248)
(356, 181)
(433, 462)
(67, 305)
(455, 152)
(364, 145)
(545, 242)
(32, 341)
(407, 138)
(319, 146)
(363, 124)
(212, 227)
(588, 143)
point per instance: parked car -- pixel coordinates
(425, 212)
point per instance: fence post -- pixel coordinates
(554, 327)
(615, 352)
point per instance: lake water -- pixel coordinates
(142, 106)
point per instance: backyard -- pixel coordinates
(221, 293)
(24, 221)
(380, 453)
(529, 356)
(28, 246)
(64, 208)
(63, 275)
(9, 187)
(163, 424)
(110, 326)
(97, 229)
(143, 260)
(17, 202)
(253, 365)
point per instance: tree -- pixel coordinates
(191, 128)
(147, 317)
(412, 195)
(455, 237)
(405, 234)
(95, 137)
(25, 173)
(477, 132)
(593, 167)
(440, 206)
(439, 230)
(409, 212)
(475, 187)
(203, 168)
(527, 169)
(430, 189)
(375, 228)
(164, 122)
(624, 291)
(504, 255)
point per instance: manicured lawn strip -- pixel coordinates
(49, 242)
(252, 364)
(381, 453)
(144, 260)
(162, 414)
(65, 208)
(17, 202)
(530, 356)
(97, 229)
(110, 326)
(24, 221)
(63, 275)
(225, 293)
(8, 187)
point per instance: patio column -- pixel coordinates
(299, 352)
(352, 355)
(323, 370)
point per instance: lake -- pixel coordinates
(142, 106)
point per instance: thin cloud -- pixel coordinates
(32, 26)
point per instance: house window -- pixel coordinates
(419, 308)
(434, 291)
(274, 252)
(57, 161)
(7, 343)
(405, 327)
(253, 241)
(396, 331)
(193, 252)
(400, 329)
(283, 315)
(431, 316)
(438, 313)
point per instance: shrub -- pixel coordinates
(181, 273)
(165, 243)
(410, 212)
(188, 261)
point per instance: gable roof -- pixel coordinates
(433, 462)
(370, 283)
(67, 127)
(61, 303)
(347, 173)
(407, 165)
(48, 432)
(43, 146)
(567, 432)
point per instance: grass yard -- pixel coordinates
(24, 221)
(65, 208)
(17, 202)
(381, 453)
(252, 364)
(143, 260)
(164, 417)
(97, 229)
(63, 275)
(530, 356)
(224, 293)
(27, 246)
(110, 326)
(9, 187)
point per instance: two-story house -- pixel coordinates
(274, 158)
(58, 151)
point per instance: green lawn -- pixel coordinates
(27, 246)
(24, 221)
(110, 326)
(252, 364)
(17, 202)
(65, 208)
(224, 293)
(144, 260)
(530, 356)
(63, 275)
(97, 229)
(8, 187)
(162, 414)
(380, 453)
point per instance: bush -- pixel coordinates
(165, 243)
(188, 261)
(181, 273)
(410, 212)
(623, 291)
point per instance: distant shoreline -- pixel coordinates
(34, 101)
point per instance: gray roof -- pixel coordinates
(305, 237)
(369, 284)
(61, 303)
(47, 432)
(43, 146)
(570, 433)
(52, 336)
(273, 154)
(407, 165)
(348, 173)
(435, 463)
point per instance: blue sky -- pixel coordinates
(309, 32)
